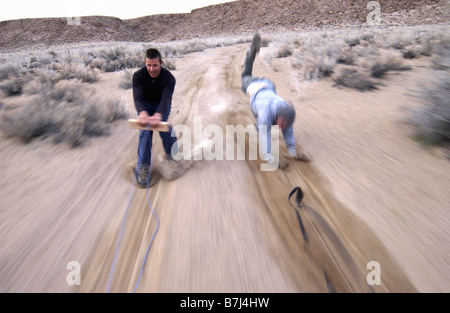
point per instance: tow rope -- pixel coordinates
(119, 240)
(298, 200)
(122, 228)
(154, 234)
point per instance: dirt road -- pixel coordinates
(224, 226)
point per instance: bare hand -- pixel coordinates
(143, 118)
(155, 119)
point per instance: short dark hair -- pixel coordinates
(287, 112)
(152, 53)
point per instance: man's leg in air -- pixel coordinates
(246, 74)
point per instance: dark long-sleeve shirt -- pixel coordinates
(153, 91)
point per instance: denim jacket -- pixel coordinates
(264, 103)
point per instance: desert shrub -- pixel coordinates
(70, 112)
(368, 37)
(353, 77)
(184, 47)
(52, 53)
(113, 66)
(284, 51)
(306, 64)
(39, 61)
(170, 63)
(134, 59)
(127, 79)
(432, 120)
(365, 50)
(319, 54)
(387, 61)
(8, 70)
(117, 59)
(351, 42)
(404, 39)
(317, 62)
(367, 56)
(17, 77)
(78, 71)
(12, 87)
(43, 79)
(68, 58)
(19, 122)
(441, 60)
(346, 56)
(113, 110)
(424, 45)
(413, 51)
(172, 51)
(111, 59)
(69, 91)
(97, 63)
(41, 82)
(87, 58)
(264, 42)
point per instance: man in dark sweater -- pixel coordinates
(153, 87)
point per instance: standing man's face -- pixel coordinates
(153, 67)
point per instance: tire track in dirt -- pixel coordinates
(227, 226)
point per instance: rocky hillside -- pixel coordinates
(233, 18)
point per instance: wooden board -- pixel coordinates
(161, 127)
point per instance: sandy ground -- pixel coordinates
(372, 194)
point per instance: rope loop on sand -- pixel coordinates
(298, 199)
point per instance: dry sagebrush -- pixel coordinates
(68, 111)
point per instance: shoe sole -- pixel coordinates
(257, 41)
(256, 44)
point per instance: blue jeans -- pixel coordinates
(146, 140)
(246, 75)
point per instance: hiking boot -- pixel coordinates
(147, 178)
(141, 174)
(256, 45)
